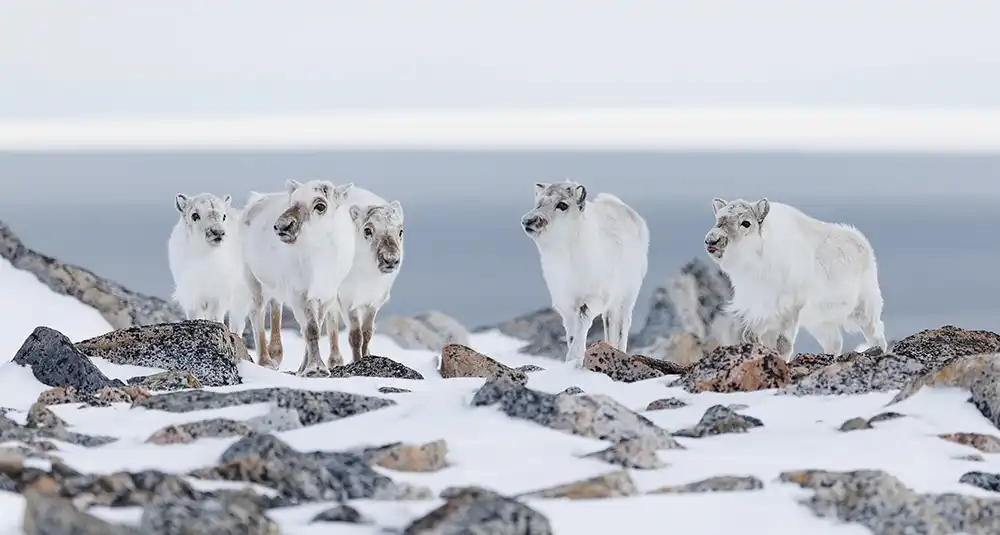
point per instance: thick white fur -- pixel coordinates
(208, 279)
(305, 274)
(365, 289)
(593, 261)
(800, 271)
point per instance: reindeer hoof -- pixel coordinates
(335, 361)
(268, 363)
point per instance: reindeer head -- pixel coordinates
(205, 216)
(310, 205)
(555, 204)
(737, 224)
(381, 227)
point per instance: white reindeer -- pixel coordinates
(206, 261)
(378, 256)
(298, 248)
(790, 270)
(594, 259)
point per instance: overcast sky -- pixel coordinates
(189, 57)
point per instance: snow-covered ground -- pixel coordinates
(489, 449)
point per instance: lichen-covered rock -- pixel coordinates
(884, 505)
(469, 510)
(56, 362)
(983, 480)
(341, 513)
(719, 420)
(126, 394)
(611, 485)
(40, 417)
(191, 431)
(206, 517)
(714, 484)
(602, 357)
(854, 373)
(276, 420)
(737, 368)
(393, 390)
(983, 443)
(431, 330)
(935, 346)
(572, 390)
(595, 416)
(666, 403)
(462, 361)
(59, 396)
(167, 381)
(313, 407)
(206, 349)
(11, 431)
(429, 457)
(530, 368)
(51, 515)
(633, 453)
(978, 374)
(375, 366)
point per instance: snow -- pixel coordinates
(513, 456)
(825, 129)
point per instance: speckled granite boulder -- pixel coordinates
(375, 366)
(167, 381)
(470, 510)
(737, 368)
(462, 361)
(206, 349)
(56, 362)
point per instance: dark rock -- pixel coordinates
(313, 407)
(392, 390)
(206, 517)
(884, 505)
(167, 381)
(530, 368)
(714, 484)
(471, 510)
(375, 366)
(572, 390)
(857, 373)
(595, 416)
(56, 362)
(119, 306)
(341, 513)
(668, 403)
(737, 368)
(602, 357)
(639, 454)
(463, 361)
(431, 331)
(983, 443)
(983, 480)
(612, 485)
(935, 346)
(719, 420)
(51, 515)
(885, 416)
(206, 349)
(11, 431)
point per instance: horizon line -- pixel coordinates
(932, 130)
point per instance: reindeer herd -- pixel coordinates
(334, 252)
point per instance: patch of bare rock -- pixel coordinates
(478, 510)
(720, 420)
(462, 361)
(603, 358)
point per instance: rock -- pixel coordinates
(206, 517)
(980, 375)
(572, 390)
(983, 443)
(885, 416)
(884, 505)
(59, 396)
(375, 366)
(392, 390)
(632, 453)
(715, 484)
(40, 417)
(530, 368)
(935, 346)
(462, 361)
(56, 362)
(804, 364)
(544, 333)
(206, 349)
(429, 457)
(974, 458)
(603, 358)
(119, 306)
(594, 416)
(738, 368)
(856, 373)
(667, 403)
(341, 513)
(471, 510)
(127, 394)
(313, 407)
(189, 432)
(983, 480)
(305, 477)
(11, 431)
(52, 515)
(719, 420)
(167, 381)
(682, 349)
(612, 485)
(855, 424)
(430, 331)
(276, 420)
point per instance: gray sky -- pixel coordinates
(160, 57)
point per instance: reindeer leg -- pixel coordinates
(274, 348)
(367, 329)
(257, 320)
(333, 331)
(307, 315)
(356, 338)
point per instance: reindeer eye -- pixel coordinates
(400, 233)
(195, 216)
(562, 206)
(223, 217)
(368, 232)
(745, 224)
(320, 207)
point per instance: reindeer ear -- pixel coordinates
(763, 207)
(540, 187)
(717, 205)
(581, 196)
(228, 199)
(181, 202)
(398, 208)
(340, 192)
(292, 185)
(355, 212)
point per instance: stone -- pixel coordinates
(983, 480)
(431, 331)
(636, 453)
(276, 420)
(118, 305)
(59, 396)
(475, 510)
(206, 517)
(11, 431)
(854, 373)
(189, 432)
(393, 390)
(341, 513)
(573, 390)
(719, 420)
(54, 361)
(714, 484)
(206, 349)
(935, 346)
(313, 407)
(855, 424)
(462, 361)
(602, 357)
(375, 366)
(167, 381)
(530, 368)
(429, 457)
(51, 515)
(594, 416)
(983, 443)
(40, 417)
(737, 368)
(978, 374)
(667, 403)
(611, 485)
(127, 394)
